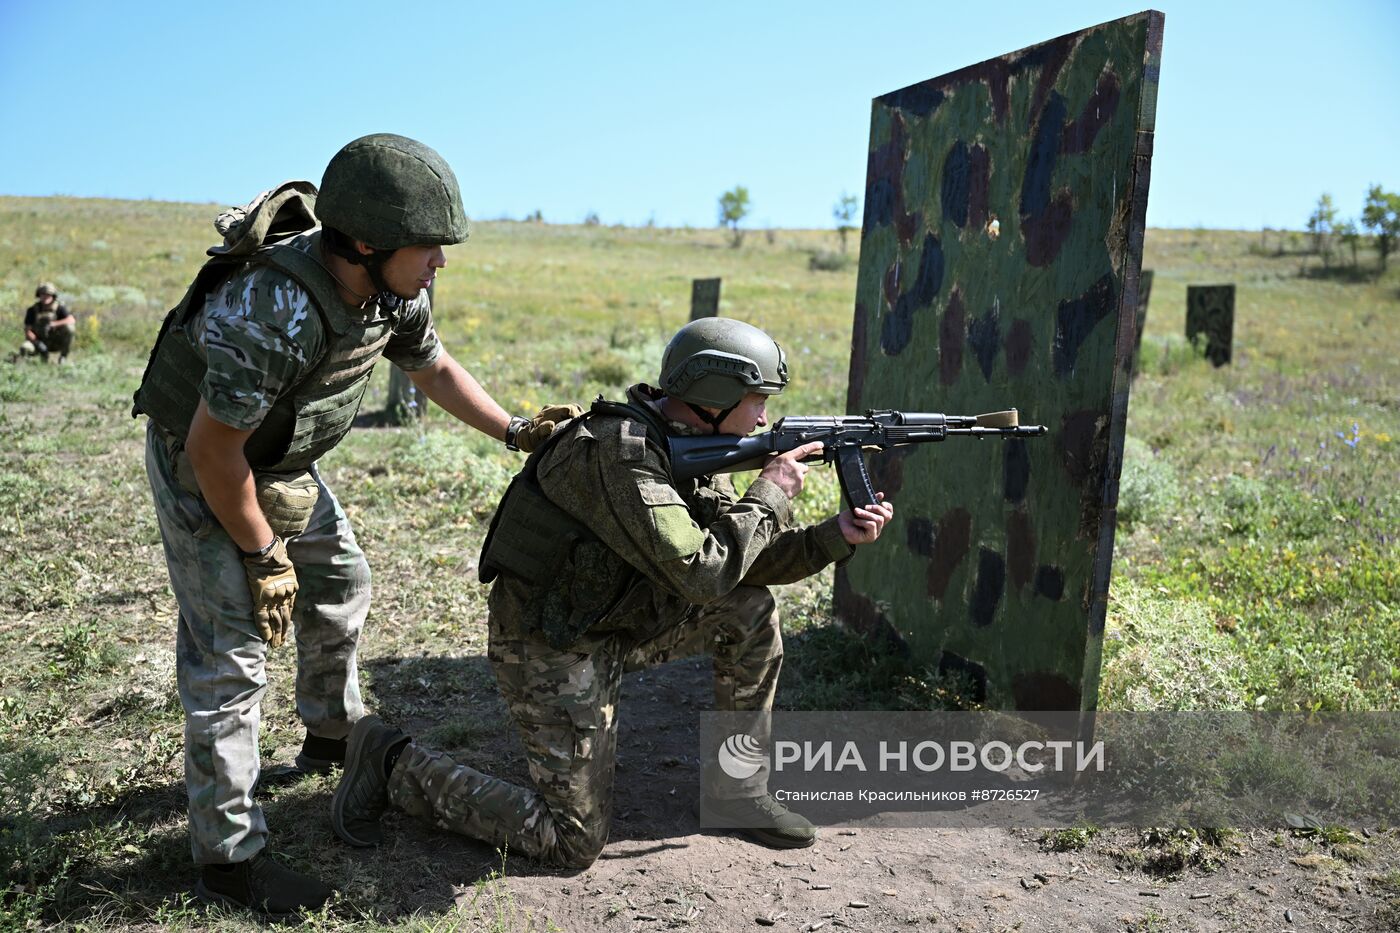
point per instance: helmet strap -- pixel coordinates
(386, 297)
(713, 421)
(373, 263)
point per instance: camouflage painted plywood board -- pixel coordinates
(1000, 255)
(1210, 320)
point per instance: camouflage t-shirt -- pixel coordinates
(261, 333)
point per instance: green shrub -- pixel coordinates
(1165, 653)
(32, 865)
(1071, 839)
(18, 384)
(610, 369)
(825, 261)
(80, 649)
(1148, 489)
(443, 463)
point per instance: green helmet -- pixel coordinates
(391, 191)
(714, 362)
(45, 288)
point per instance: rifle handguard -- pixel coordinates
(1011, 418)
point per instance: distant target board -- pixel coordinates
(1140, 324)
(704, 298)
(1210, 320)
(1004, 213)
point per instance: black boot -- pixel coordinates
(318, 755)
(262, 885)
(363, 793)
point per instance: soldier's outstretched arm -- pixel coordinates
(797, 553)
(457, 391)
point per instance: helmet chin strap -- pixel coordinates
(387, 299)
(713, 421)
(373, 263)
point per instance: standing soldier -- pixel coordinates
(604, 564)
(256, 375)
(48, 326)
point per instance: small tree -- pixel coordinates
(1320, 225)
(844, 211)
(1381, 216)
(734, 207)
(1350, 236)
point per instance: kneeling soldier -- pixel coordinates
(602, 563)
(48, 326)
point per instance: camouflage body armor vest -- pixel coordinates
(43, 320)
(318, 411)
(533, 538)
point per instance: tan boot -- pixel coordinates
(762, 819)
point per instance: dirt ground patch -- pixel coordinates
(661, 870)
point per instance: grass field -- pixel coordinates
(1256, 563)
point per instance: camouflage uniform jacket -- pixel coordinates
(661, 547)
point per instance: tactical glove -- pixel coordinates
(272, 580)
(537, 430)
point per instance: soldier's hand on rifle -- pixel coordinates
(272, 581)
(862, 526)
(787, 471)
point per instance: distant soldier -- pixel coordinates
(257, 373)
(48, 326)
(603, 563)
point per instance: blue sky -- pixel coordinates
(650, 110)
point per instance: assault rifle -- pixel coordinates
(843, 440)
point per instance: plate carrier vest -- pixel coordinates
(311, 417)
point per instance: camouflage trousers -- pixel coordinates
(564, 703)
(220, 659)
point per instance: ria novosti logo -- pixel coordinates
(741, 756)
